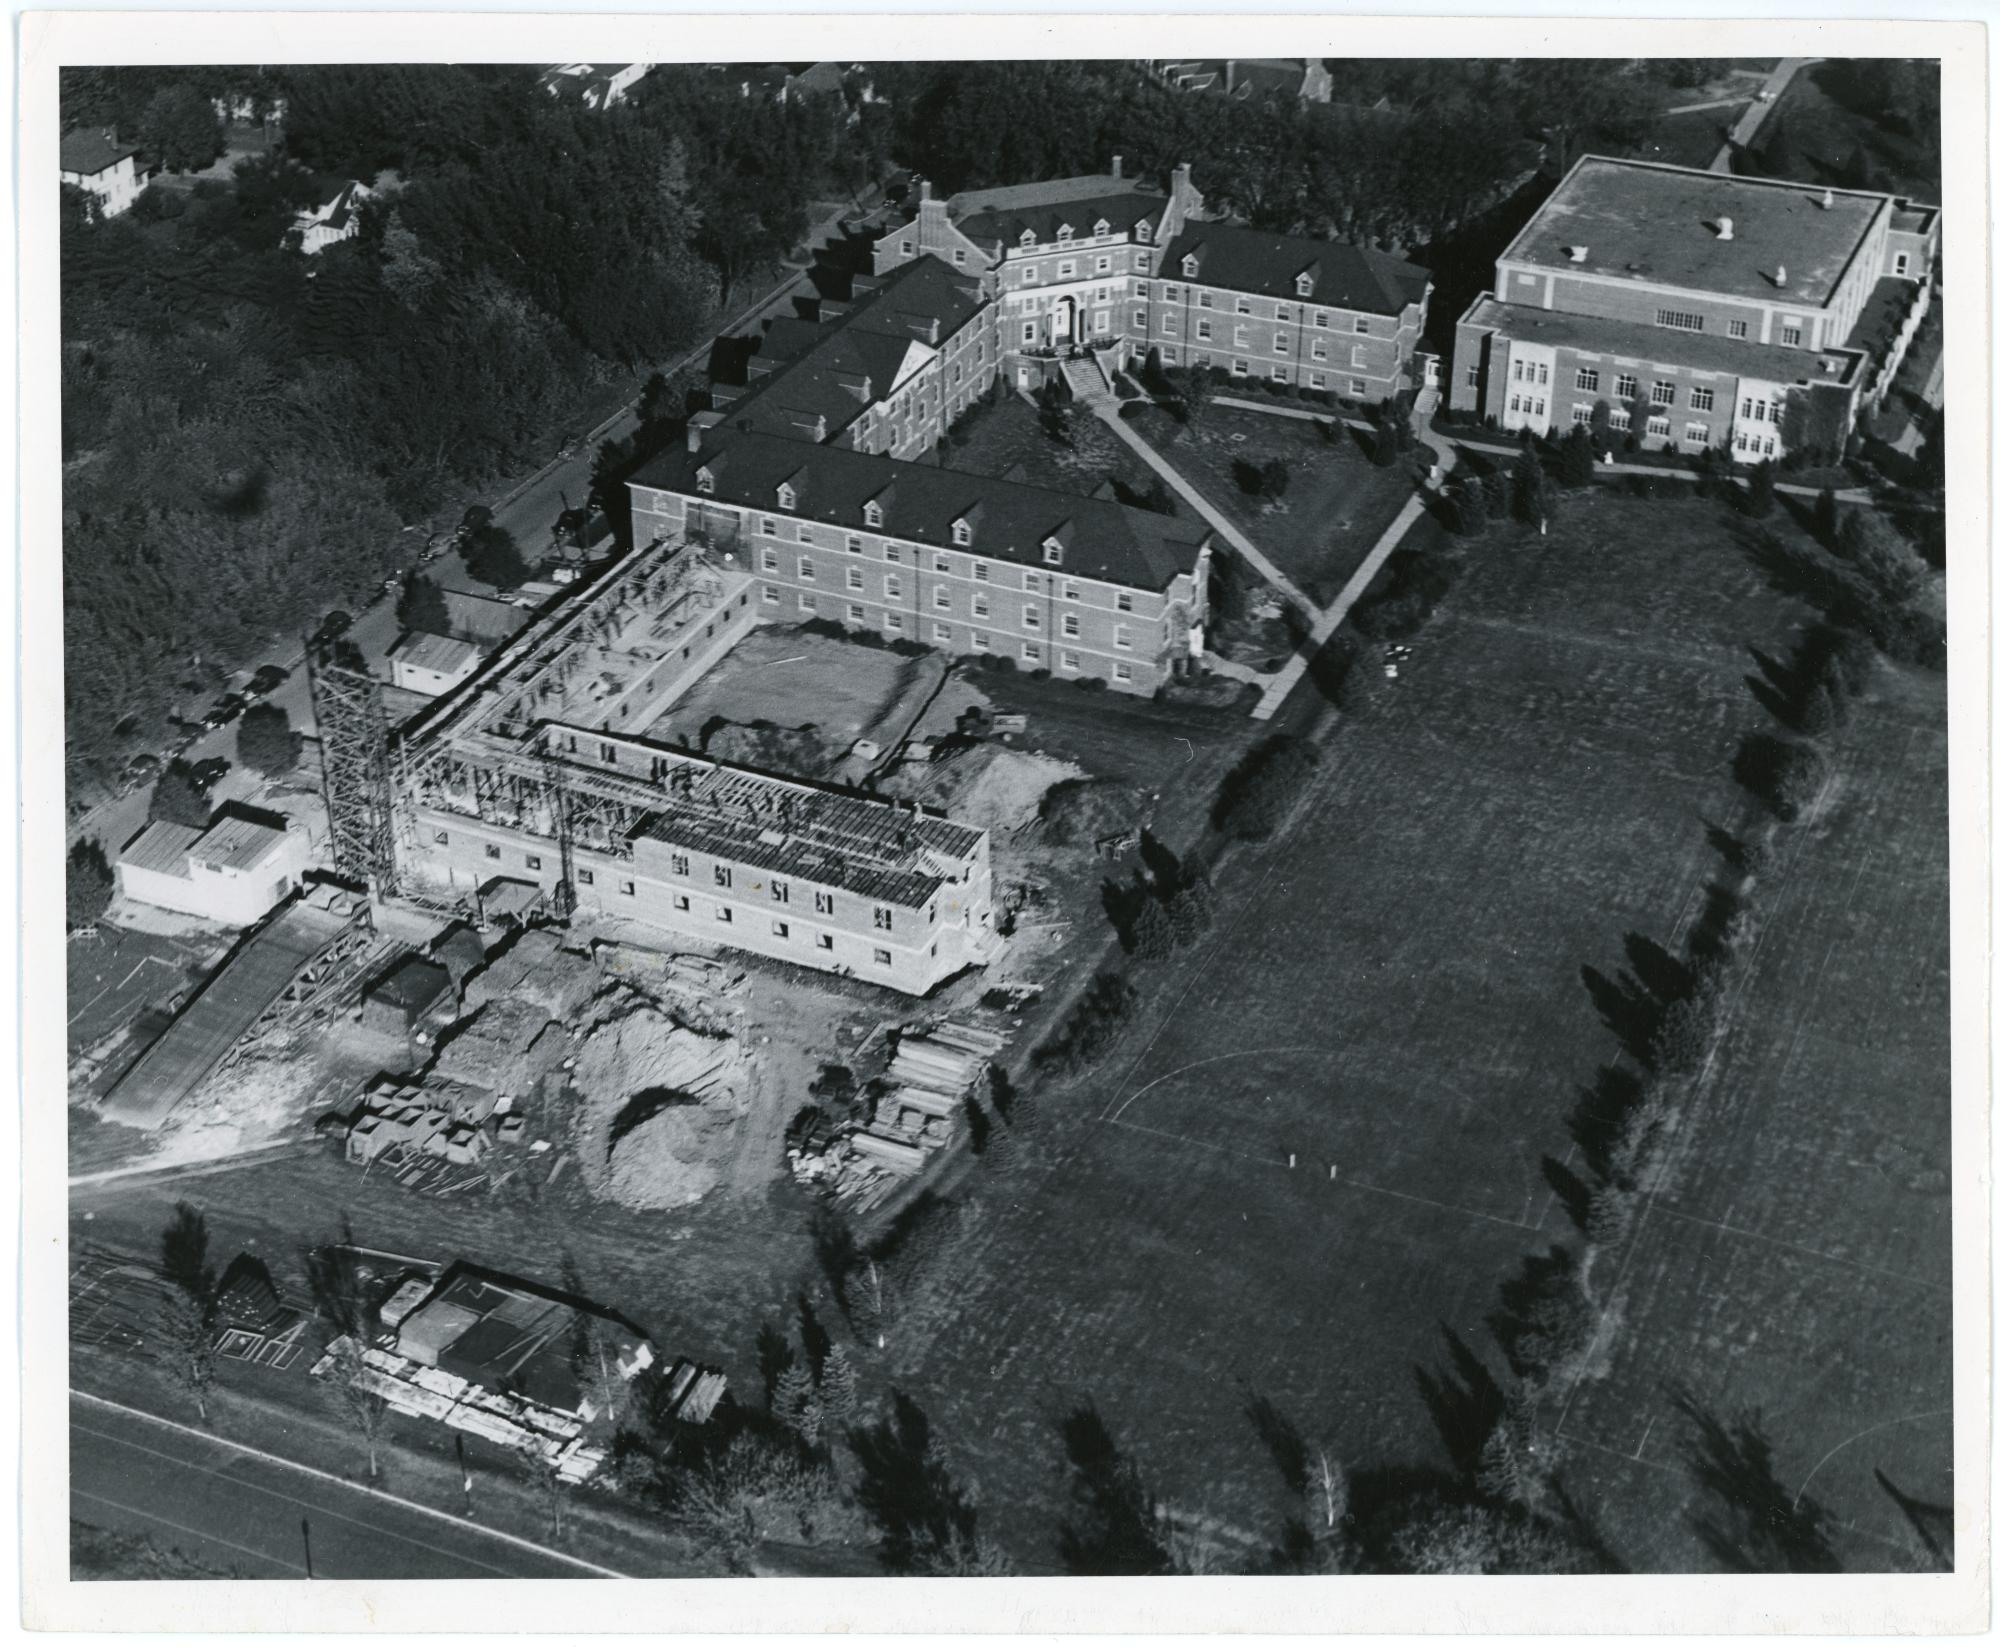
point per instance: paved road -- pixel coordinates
(241, 1511)
(1745, 130)
(529, 512)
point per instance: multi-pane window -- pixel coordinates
(1621, 420)
(1679, 320)
(1281, 344)
(892, 587)
(1739, 328)
(679, 863)
(1072, 626)
(770, 559)
(1658, 427)
(1357, 386)
(1586, 379)
(1123, 600)
(1663, 394)
(1696, 434)
(1701, 399)
(1121, 637)
(941, 599)
(1627, 385)
(1579, 414)
(1031, 617)
(1790, 336)
(806, 572)
(854, 578)
(1203, 330)
(723, 875)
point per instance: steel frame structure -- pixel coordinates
(355, 773)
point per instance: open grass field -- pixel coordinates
(1824, 131)
(1691, 139)
(1395, 989)
(1800, 1267)
(1335, 507)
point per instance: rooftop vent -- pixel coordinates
(1779, 277)
(1578, 253)
(1725, 228)
(1826, 201)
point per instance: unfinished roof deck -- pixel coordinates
(853, 843)
(1659, 225)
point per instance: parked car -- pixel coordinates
(268, 679)
(331, 627)
(205, 775)
(224, 710)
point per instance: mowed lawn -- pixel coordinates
(1336, 502)
(1799, 1269)
(1395, 990)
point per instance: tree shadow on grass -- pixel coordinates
(1112, 1529)
(1664, 975)
(1749, 1522)
(1465, 1402)
(1728, 847)
(1933, 1523)
(907, 1489)
(1281, 1440)
(1777, 687)
(1572, 1191)
(1598, 1120)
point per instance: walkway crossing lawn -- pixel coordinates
(1337, 503)
(1394, 992)
(1005, 441)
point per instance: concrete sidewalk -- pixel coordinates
(1107, 411)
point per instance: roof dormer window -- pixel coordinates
(961, 532)
(1143, 230)
(871, 513)
(1190, 265)
(788, 496)
(704, 479)
(1027, 237)
(1063, 234)
(1103, 227)
(1304, 285)
(1052, 551)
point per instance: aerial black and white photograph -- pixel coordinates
(1009, 817)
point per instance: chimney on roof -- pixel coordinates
(1725, 229)
(1779, 277)
(923, 189)
(1826, 201)
(1118, 165)
(694, 436)
(1183, 176)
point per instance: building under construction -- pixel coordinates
(539, 772)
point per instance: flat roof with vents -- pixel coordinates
(1660, 225)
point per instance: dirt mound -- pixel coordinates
(796, 749)
(658, 1102)
(537, 970)
(987, 787)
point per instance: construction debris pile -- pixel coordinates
(496, 1358)
(658, 1101)
(917, 1110)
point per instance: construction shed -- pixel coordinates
(399, 999)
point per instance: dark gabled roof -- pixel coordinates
(823, 369)
(1250, 260)
(1105, 541)
(88, 151)
(1123, 209)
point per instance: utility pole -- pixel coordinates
(306, 1533)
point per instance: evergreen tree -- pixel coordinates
(839, 1387)
(88, 886)
(420, 606)
(795, 1403)
(1152, 931)
(1576, 462)
(176, 799)
(1826, 516)
(1469, 508)
(1530, 503)
(1192, 911)
(265, 741)
(1760, 497)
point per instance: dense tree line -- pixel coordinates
(244, 429)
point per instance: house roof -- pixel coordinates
(837, 380)
(1657, 225)
(1120, 205)
(1358, 278)
(237, 843)
(87, 151)
(1106, 541)
(443, 653)
(821, 78)
(161, 847)
(1050, 191)
(1697, 351)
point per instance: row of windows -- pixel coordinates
(1321, 318)
(1031, 617)
(978, 639)
(892, 585)
(824, 903)
(1756, 445)
(1680, 320)
(1657, 428)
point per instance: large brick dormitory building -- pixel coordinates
(813, 470)
(1698, 307)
